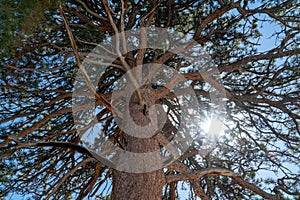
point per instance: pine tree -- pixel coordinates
(247, 90)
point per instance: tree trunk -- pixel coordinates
(138, 186)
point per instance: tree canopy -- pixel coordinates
(254, 48)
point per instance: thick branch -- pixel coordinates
(216, 171)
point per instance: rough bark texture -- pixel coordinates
(146, 186)
(139, 186)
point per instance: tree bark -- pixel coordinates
(137, 186)
(140, 186)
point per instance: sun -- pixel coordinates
(213, 127)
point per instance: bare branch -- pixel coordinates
(216, 171)
(81, 67)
